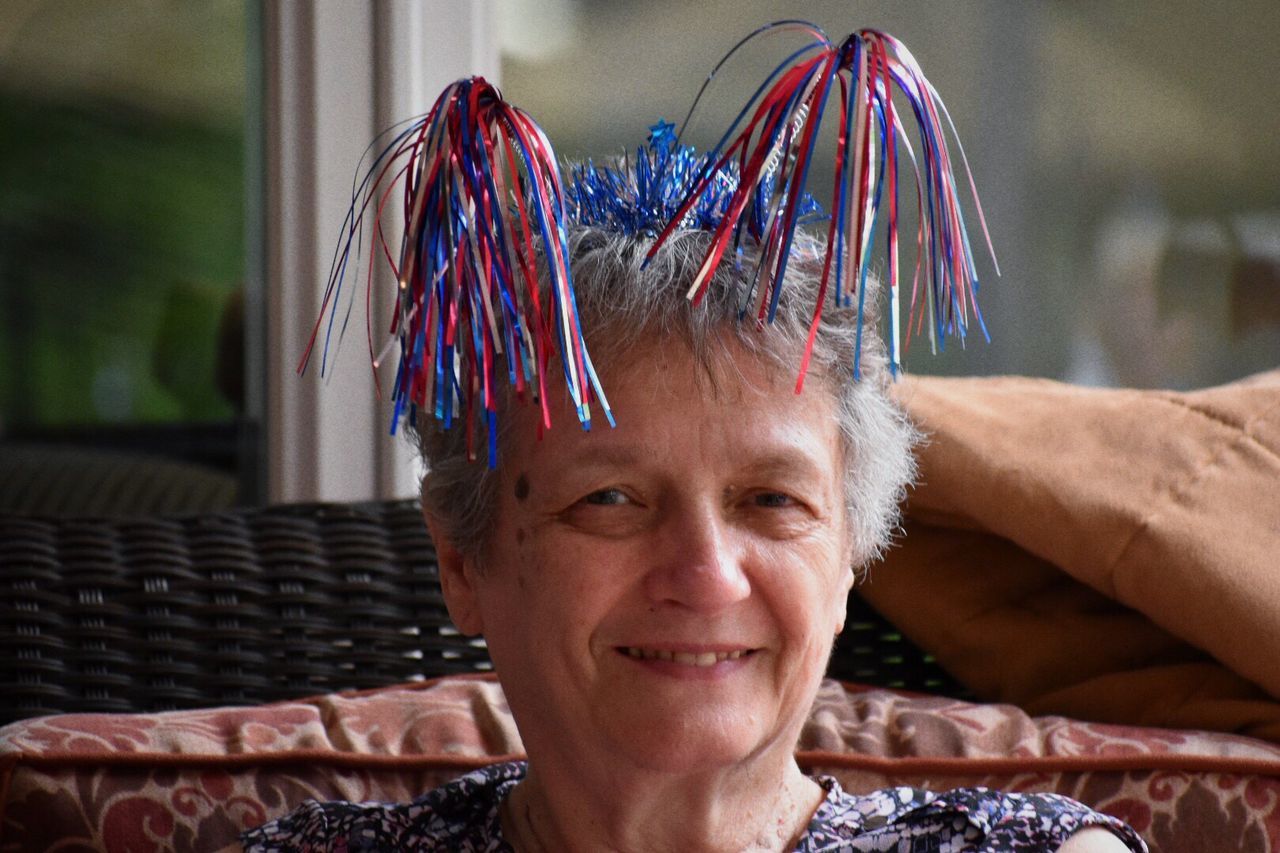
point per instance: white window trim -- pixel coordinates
(335, 74)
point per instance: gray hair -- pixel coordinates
(624, 303)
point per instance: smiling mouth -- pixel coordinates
(684, 658)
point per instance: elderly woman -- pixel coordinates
(660, 598)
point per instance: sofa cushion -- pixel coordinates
(192, 780)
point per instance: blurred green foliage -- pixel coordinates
(121, 241)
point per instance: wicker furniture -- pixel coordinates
(254, 606)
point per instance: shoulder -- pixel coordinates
(462, 815)
(1093, 840)
(843, 816)
(1052, 818)
(967, 815)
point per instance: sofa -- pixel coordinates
(1064, 614)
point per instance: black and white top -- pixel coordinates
(463, 817)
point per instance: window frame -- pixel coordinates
(333, 76)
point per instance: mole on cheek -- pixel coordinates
(522, 487)
(519, 535)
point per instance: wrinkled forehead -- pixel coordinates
(728, 360)
(719, 363)
(665, 387)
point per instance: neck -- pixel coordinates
(749, 807)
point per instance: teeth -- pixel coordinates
(684, 658)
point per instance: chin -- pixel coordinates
(700, 741)
(675, 760)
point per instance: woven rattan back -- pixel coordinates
(259, 605)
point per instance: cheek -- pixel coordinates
(510, 570)
(551, 571)
(809, 592)
(531, 572)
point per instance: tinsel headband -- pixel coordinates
(483, 199)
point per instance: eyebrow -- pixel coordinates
(780, 461)
(785, 462)
(606, 456)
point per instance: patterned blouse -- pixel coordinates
(463, 817)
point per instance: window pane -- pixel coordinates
(1124, 152)
(122, 252)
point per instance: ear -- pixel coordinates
(848, 577)
(457, 581)
(841, 602)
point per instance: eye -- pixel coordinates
(607, 497)
(779, 515)
(773, 500)
(610, 512)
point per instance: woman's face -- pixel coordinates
(666, 591)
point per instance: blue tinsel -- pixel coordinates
(642, 198)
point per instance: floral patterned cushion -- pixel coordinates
(191, 780)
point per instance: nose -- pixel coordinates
(697, 563)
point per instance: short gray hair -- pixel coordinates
(624, 303)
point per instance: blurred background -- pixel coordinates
(122, 254)
(1125, 152)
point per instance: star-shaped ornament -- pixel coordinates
(662, 134)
